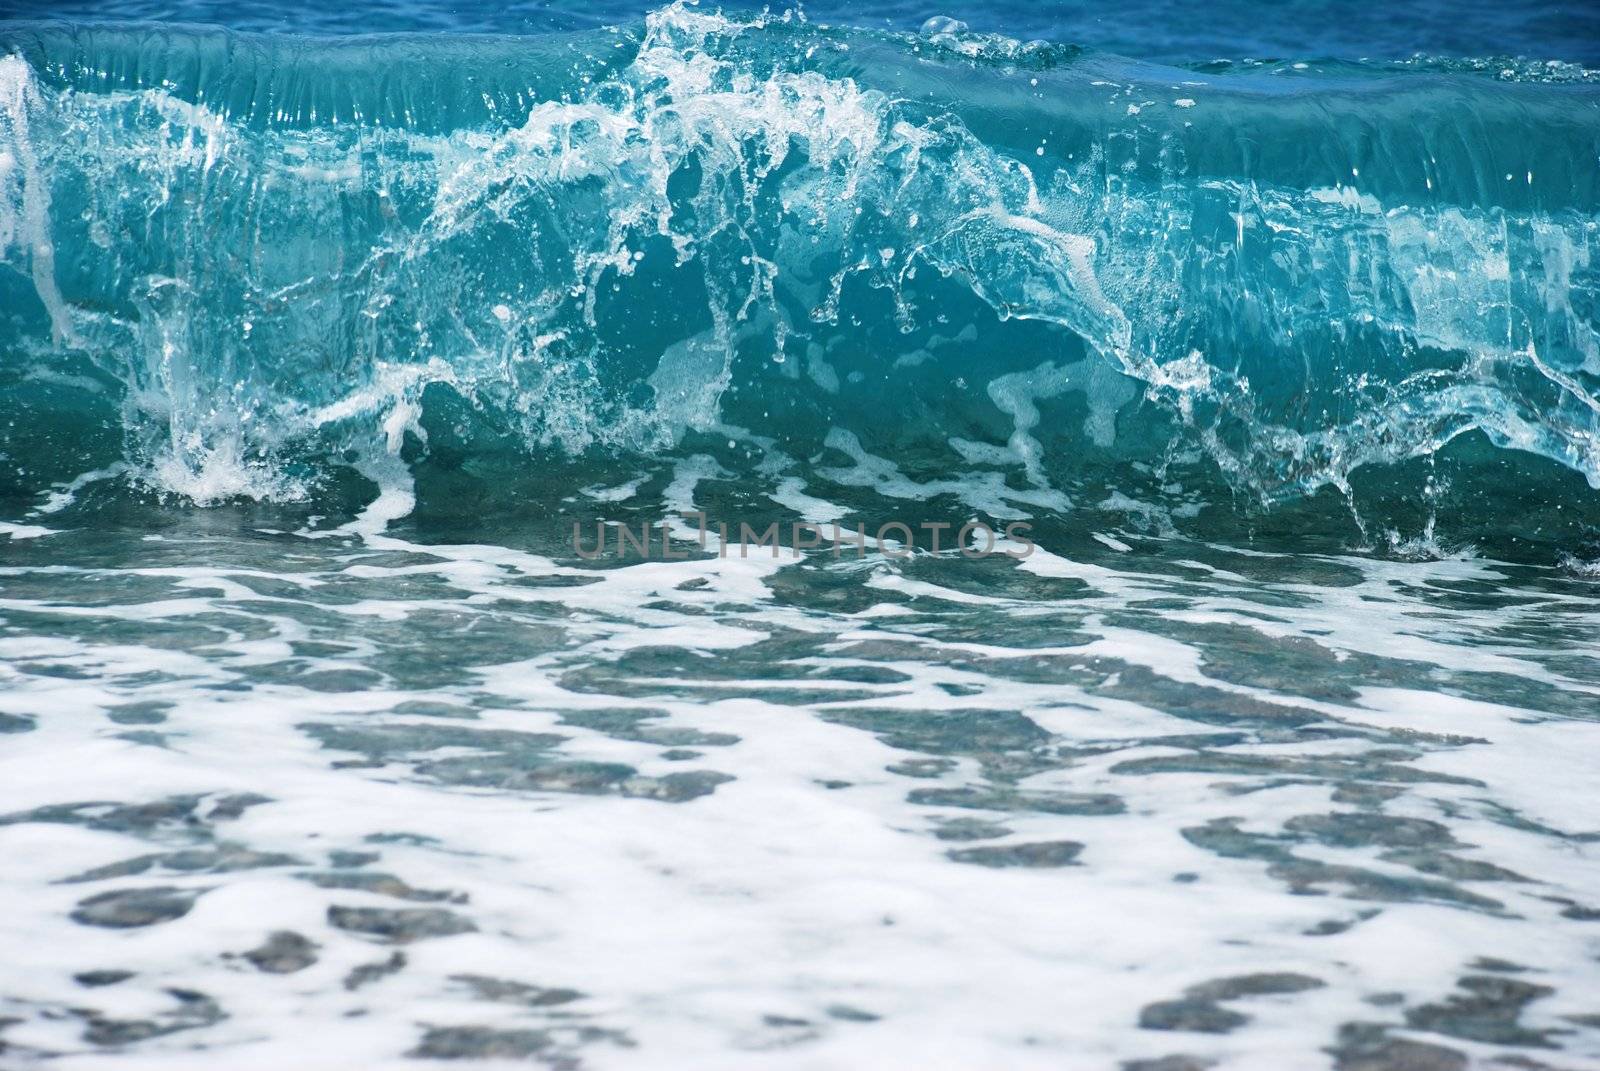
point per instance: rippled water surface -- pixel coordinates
(1133, 800)
(1267, 739)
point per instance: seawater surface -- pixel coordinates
(1267, 741)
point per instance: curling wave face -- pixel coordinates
(1022, 268)
(1225, 752)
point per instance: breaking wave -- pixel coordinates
(250, 260)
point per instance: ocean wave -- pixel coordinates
(260, 257)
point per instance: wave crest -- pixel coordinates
(708, 222)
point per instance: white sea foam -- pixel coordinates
(730, 924)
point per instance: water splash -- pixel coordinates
(710, 222)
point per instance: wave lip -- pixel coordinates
(282, 252)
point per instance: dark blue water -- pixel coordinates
(1170, 30)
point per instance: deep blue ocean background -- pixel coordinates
(1175, 31)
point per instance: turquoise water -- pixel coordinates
(667, 538)
(1167, 30)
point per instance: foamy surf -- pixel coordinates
(730, 541)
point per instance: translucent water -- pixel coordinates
(389, 672)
